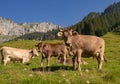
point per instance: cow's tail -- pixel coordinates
(1, 52)
(105, 59)
(1, 49)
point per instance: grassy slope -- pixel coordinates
(17, 73)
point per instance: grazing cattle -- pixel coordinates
(15, 54)
(84, 46)
(48, 50)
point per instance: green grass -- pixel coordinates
(17, 73)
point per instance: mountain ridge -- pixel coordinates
(11, 28)
(99, 23)
(93, 24)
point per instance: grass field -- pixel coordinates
(18, 73)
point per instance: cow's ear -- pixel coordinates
(74, 33)
(59, 34)
(31, 51)
(44, 45)
(60, 30)
(40, 41)
(70, 29)
(36, 45)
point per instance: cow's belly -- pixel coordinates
(87, 54)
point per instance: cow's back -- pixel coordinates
(88, 44)
(13, 52)
(55, 49)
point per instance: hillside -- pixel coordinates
(113, 8)
(17, 73)
(100, 23)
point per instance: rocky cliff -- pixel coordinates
(10, 28)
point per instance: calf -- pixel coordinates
(71, 53)
(9, 53)
(48, 50)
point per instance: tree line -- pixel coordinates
(93, 24)
(100, 23)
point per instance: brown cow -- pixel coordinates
(48, 50)
(15, 54)
(84, 46)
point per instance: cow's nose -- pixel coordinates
(67, 44)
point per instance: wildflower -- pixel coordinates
(88, 82)
(30, 75)
(87, 70)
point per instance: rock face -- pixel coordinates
(38, 27)
(10, 28)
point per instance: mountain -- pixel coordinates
(100, 23)
(10, 28)
(113, 8)
(92, 24)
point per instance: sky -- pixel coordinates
(60, 12)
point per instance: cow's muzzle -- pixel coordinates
(68, 44)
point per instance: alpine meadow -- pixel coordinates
(33, 73)
(105, 25)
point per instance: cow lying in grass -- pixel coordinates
(48, 50)
(84, 46)
(15, 54)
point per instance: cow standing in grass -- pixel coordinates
(15, 54)
(84, 46)
(48, 50)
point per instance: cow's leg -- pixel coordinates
(6, 60)
(79, 59)
(64, 59)
(2, 62)
(100, 59)
(74, 62)
(59, 59)
(48, 63)
(42, 61)
(48, 60)
(23, 60)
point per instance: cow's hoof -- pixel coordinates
(27, 64)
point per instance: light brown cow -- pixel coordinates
(48, 50)
(15, 54)
(84, 46)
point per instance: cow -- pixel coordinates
(71, 53)
(49, 49)
(83, 46)
(16, 54)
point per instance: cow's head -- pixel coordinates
(67, 34)
(34, 52)
(39, 46)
